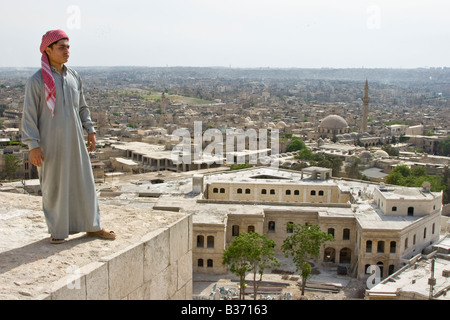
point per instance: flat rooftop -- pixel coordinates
(413, 280)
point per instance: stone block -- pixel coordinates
(70, 287)
(179, 239)
(156, 253)
(184, 270)
(97, 281)
(164, 284)
(125, 271)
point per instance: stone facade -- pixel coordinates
(359, 215)
(157, 268)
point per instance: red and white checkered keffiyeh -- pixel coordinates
(50, 90)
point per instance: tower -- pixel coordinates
(365, 114)
(163, 116)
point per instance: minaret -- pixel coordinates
(365, 114)
(163, 115)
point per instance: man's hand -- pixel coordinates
(36, 157)
(91, 142)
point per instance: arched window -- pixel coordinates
(320, 192)
(200, 263)
(366, 269)
(391, 269)
(209, 263)
(263, 191)
(296, 192)
(210, 242)
(239, 190)
(369, 246)
(329, 255)
(380, 247)
(288, 192)
(216, 190)
(345, 255)
(200, 241)
(380, 265)
(247, 191)
(272, 191)
(313, 192)
(222, 190)
(271, 226)
(290, 227)
(394, 208)
(346, 234)
(393, 247)
(251, 229)
(331, 231)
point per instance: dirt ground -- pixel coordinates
(324, 284)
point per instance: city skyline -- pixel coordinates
(244, 34)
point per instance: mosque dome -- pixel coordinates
(333, 122)
(281, 125)
(381, 154)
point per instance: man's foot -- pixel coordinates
(103, 234)
(53, 240)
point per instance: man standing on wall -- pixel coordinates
(54, 115)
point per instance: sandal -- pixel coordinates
(56, 241)
(103, 234)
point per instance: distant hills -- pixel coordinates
(382, 75)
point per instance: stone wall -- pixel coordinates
(157, 268)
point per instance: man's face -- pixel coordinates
(59, 52)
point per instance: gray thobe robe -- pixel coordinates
(69, 198)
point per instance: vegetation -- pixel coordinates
(320, 160)
(444, 147)
(304, 244)
(240, 166)
(391, 151)
(250, 252)
(404, 176)
(11, 165)
(295, 144)
(353, 170)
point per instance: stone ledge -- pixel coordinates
(89, 268)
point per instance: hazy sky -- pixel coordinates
(236, 33)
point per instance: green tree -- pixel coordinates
(444, 147)
(418, 171)
(394, 178)
(332, 162)
(304, 154)
(393, 152)
(11, 165)
(295, 145)
(304, 243)
(353, 169)
(250, 252)
(403, 169)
